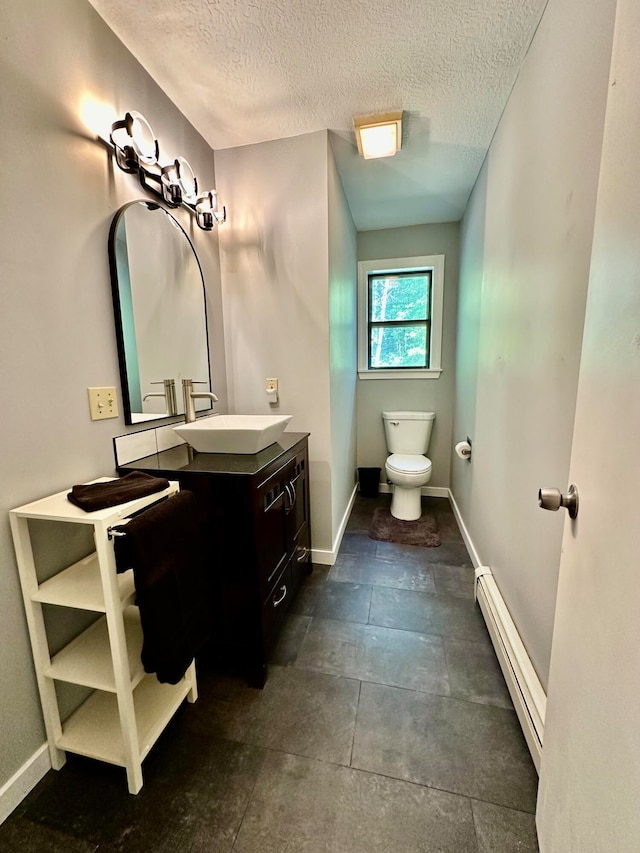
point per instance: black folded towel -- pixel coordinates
(93, 496)
(166, 546)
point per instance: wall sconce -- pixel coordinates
(179, 183)
(134, 142)
(207, 213)
(137, 151)
(378, 136)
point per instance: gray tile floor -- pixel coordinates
(385, 725)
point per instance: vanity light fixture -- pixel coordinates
(179, 183)
(207, 213)
(378, 136)
(134, 142)
(137, 151)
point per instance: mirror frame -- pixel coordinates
(117, 310)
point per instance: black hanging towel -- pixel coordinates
(165, 547)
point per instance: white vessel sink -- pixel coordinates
(233, 433)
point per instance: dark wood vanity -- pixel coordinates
(257, 507)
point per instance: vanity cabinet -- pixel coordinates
(257, 508)
(127, 709)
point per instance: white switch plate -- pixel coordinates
(103, 403)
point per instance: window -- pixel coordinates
(400, 317)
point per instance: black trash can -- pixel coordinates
(369, 481)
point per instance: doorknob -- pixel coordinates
(553, 499)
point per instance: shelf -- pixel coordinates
(87, 659)
(80, 586)
(94, 729)
(128, 709)
(59, 508)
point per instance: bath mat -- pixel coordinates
(386, 528)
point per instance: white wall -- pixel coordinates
(377, 395)
(468, 327)
(525, 261)
(274, 261)
(59, 194)
(343, 354)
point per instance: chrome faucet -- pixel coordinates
(190, 395)
(169, 394)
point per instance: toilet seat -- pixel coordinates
(408, 463)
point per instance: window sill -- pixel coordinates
(406, 373)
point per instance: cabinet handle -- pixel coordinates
(294, 492)
(303, 555)
(289, 496)
(282, 597)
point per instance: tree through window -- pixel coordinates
(400, 311)
(399, 321)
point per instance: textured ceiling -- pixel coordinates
(246, 71)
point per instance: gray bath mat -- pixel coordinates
(386, 528)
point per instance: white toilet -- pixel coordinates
(408, 469)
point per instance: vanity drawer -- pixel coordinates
(277, 603)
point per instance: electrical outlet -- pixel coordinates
(103, 403)
(272, 391)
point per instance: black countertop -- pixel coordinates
(184, 458)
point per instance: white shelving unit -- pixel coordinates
(126, 712)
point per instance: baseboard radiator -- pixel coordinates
(526, 691)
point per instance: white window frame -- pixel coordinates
(435, 263)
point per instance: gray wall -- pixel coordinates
(343, 353)
(288, 273)
(274, 256)
(377, 395)
(525, 254)
(60, 191)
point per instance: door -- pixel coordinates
(589, 800)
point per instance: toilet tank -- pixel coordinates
(408, 432)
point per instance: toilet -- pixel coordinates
(408, 469)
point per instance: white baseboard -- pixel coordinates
(23, 780)
(427, 491)
(435, 491)
(526, 691)
(328, 558)
(322, 558)
(475, 559)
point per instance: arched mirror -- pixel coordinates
(160, 313)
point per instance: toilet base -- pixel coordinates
(405, 503)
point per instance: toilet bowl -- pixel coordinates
(407, 468)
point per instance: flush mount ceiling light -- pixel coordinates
(379, 136)
(137, 151)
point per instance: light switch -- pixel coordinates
(103, 403)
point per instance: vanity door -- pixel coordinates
(298, 495)
(298, 519)
(272, 512)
